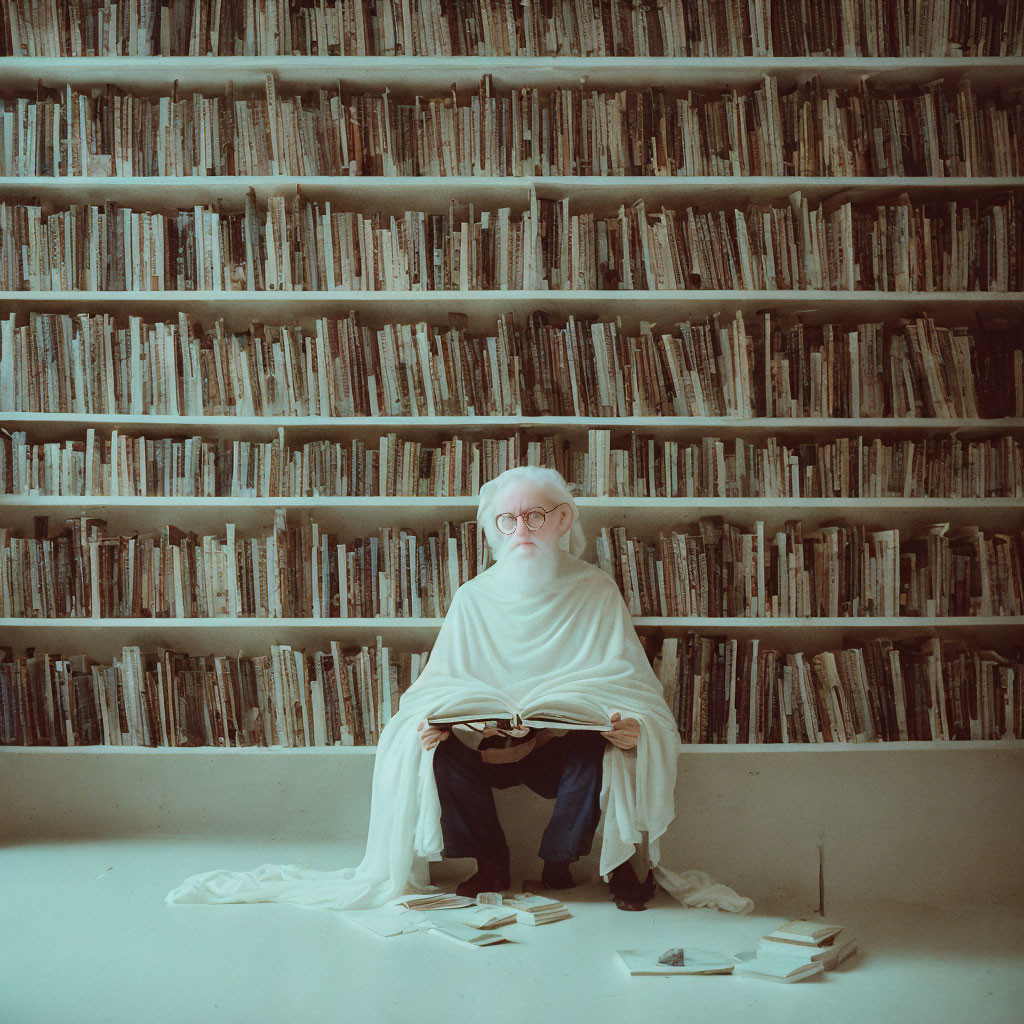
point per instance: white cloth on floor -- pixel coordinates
(696, 889)
(568, 645)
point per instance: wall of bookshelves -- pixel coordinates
(478, 309)
(944, 797)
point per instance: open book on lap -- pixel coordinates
(509, 718)
(512, 721)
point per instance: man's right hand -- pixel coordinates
(431, 735)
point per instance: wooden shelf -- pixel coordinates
(403, 75)
(104, 639)
(53, 425)
(482, 308)
(434, 193)
(368, 626)
(354, 516)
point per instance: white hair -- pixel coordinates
(551, 482)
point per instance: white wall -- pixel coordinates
(921, 825)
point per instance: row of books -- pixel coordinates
(673, 28)
(719, 569)
(725, 690)
(806, 129)
(739, 366)
(298, 245)
(166, 698)
(642, 466)
(882, 247)
(297, 569)
(710, 568)
(720, 691)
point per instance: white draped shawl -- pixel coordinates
(569, 645)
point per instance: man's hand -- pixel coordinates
(625, 732)
(431, 735)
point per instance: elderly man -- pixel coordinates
(528, 515)
(541, 636)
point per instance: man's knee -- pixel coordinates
(458, 769)
(448, 763)
(585, 758)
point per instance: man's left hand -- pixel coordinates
(625, 732)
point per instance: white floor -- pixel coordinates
(85, 936)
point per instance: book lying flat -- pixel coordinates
(482, 917)
(839, 952)
(469, 936)
(806, 933)
(436, 901)
(385, 921)
(536, 909)
(828, 956)
(770, 968)
(697, 961)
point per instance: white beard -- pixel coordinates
(528, 569)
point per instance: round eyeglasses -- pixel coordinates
(534, 518)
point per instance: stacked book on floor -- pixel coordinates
(478, 921)
(797, 950)
(536, 909)
(472, 921)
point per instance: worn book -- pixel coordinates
(508, 720)
(536, 910)
(484, 918)
(773, 968)
(437, 901)
(806, 933)
(695, 961)
(470, 936)
(829, 955)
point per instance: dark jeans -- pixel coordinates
(566, 768)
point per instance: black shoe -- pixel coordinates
(557, 875)
(627, 890)
(491, 876)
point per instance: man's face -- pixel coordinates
(522, 496)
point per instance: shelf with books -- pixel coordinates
(732, 691)
(409, 76)
(440, 73)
